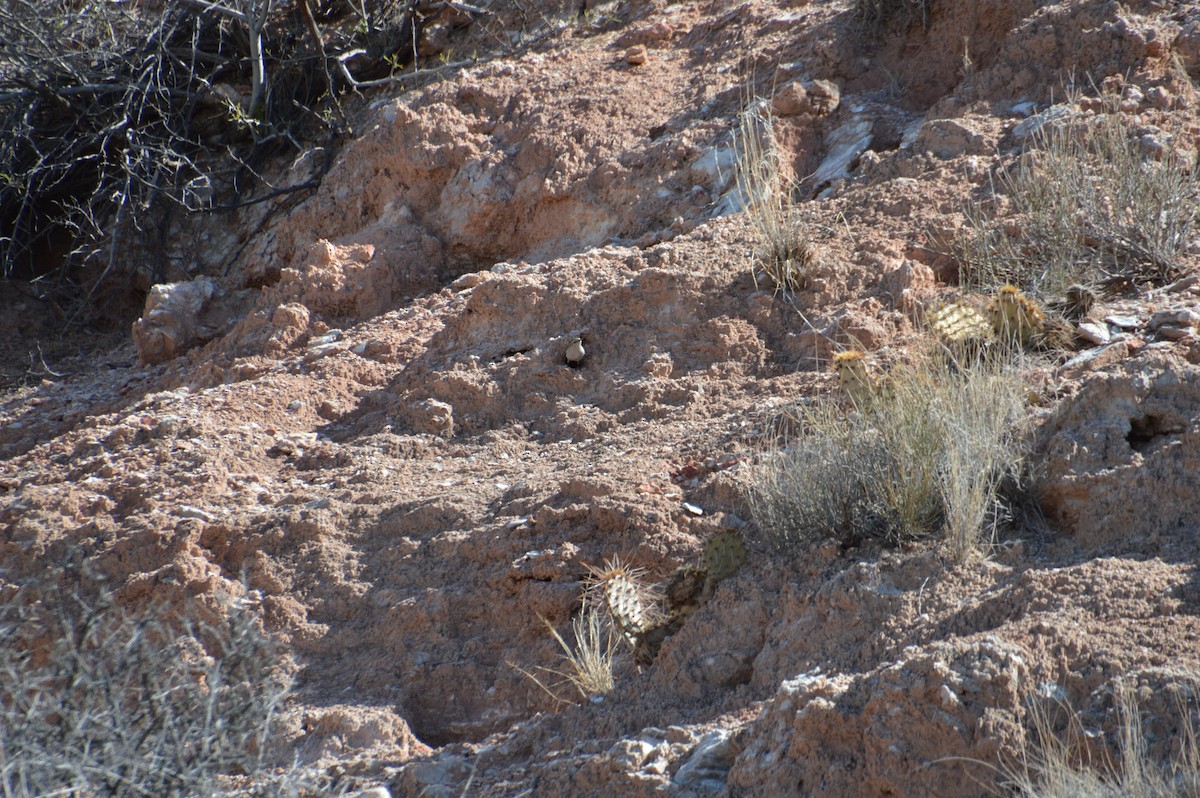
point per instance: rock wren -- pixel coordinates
(575, 352)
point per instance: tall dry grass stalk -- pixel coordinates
(785, 248)
(1051, 765)
(589, 666)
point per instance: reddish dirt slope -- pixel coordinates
(371, 432)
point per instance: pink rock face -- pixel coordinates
(171, 323)
(1129, 432)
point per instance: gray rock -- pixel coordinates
(170, 323)
(1094, 333)
(707, 769)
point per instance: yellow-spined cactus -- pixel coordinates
(1015, 317)
(647, 615)
(959, 325)
(630, 601)
(853, 377)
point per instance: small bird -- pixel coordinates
(575, 352)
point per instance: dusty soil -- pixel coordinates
(367, 428)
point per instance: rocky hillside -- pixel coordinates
(366, 430)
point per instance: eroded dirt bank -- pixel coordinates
(368, 430)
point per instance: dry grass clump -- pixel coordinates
(1090, 204)
(930, 455)
(97, 700)
(786, 251)
(589, 666)
(1051, 766)
(873, 15)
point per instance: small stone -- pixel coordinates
(1124, 322)
(1053, 115)
(1178, 317)
(636, 55)
(1093, 333)
(1184, 283)
(1093, 359)
(187, 511)
(374, 792)
(824, 96)
(791, 100)
(315, 353)
(1024, 108)
(708, 766)
(434, 418)
(949, 138)
(468, 281)
(1174, 333)
(658, 32)
(290, 315)
(170, 323)
(328, 338)
(1161, 98)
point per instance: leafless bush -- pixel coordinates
(1089, 205)
(117, 117)
(95, 700)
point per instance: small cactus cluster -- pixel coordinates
(1010, 318)
(723, 554)
(957, 325)
(631, 603)
(646, 614)
(853, 377)
(1015, 317)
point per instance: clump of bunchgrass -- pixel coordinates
(930, 455)
(786, 252)
(99, 700)
(1089, 203)
(1054, 765)
(589, 665)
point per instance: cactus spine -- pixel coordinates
(723, 554)
(646, 615)
(629, 601)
